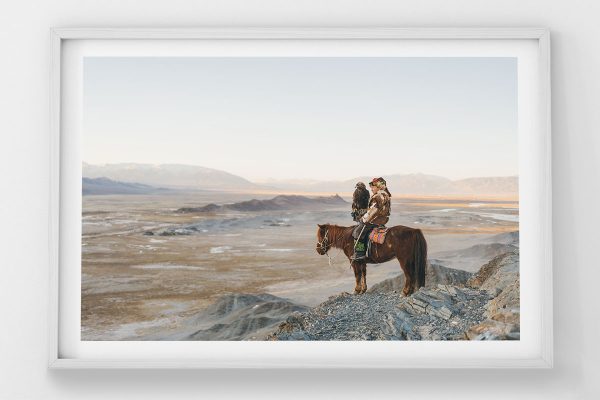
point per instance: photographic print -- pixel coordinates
(300, 198)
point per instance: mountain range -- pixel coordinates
(101, 186)
(196, 177)
(415, 184)
(170, 176)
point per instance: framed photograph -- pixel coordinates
(300, 198)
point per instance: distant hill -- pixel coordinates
(105, 186)
(196, 177)
(282, 202)
(170, 176)
(489, 185)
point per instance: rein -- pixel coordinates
(323, 246)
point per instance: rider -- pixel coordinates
(378, 214)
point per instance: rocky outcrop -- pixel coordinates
(212, 207)
(459, 306)
(440, 313)
(498, 274)
(501, 326)
(241, 317)
(500, 278)
(434, 274)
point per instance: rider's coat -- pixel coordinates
(379, 209)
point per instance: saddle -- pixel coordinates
(377, 235)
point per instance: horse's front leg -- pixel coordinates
(363, 282)
(356, 266)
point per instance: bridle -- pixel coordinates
(323, 244)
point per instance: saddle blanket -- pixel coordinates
(377, 235)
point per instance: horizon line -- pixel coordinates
(266, 180)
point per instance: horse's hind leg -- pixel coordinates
(357, 267)
(408, 277)
(363, 282)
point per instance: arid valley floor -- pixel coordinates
(147, 269)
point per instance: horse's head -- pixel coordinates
(323, 239)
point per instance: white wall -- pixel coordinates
(23, 204)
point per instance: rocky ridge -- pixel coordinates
(282, 202)
(454, 305)
(500, 278)
(240, 317)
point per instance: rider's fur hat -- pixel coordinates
(379, 182)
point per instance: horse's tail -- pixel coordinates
(419, 258)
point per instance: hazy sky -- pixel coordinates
(316, 118)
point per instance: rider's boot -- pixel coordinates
(360, 252)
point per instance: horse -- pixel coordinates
(406, 244)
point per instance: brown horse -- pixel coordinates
(406, 244)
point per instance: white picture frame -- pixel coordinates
(533, 351)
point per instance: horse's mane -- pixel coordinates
(339, 234)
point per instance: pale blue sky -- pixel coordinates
(315, 118)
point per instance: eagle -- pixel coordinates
(360, 201)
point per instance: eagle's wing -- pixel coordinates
(363, 200)
(356, 199)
